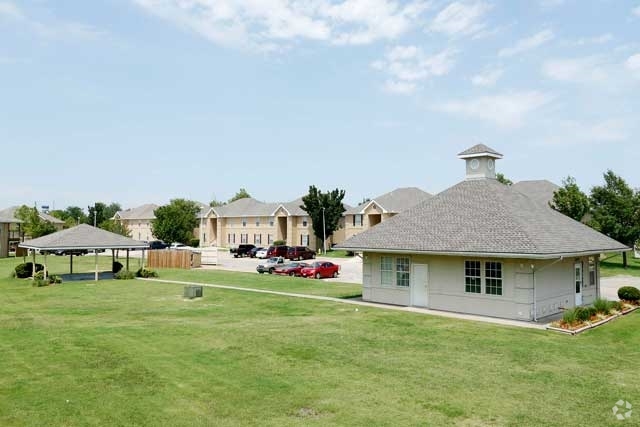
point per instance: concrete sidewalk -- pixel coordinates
(359, 302)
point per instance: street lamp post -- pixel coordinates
(324, 234)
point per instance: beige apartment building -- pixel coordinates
(379, 209)
(255, 222)
(138, 221)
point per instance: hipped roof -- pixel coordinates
(83, 236)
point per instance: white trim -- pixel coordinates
(277, 208)
(361, 212)
(483, 154)
(483, 254)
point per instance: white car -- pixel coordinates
(262, 253)
(270, 265)
(180, 246)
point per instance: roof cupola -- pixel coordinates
(480, 162)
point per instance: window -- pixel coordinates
(305, 221)
(493, 278)
(244, 238)
(231, 238)
(402, 272)
(257, 239)
(204, 237)
(304, 240)
(386, 270)
(271, 222)
(357, 220)
(257, 222)
(269, 239)
(472, 279)
(244, 222)
(592, 272)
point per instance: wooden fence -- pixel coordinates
(174, 259)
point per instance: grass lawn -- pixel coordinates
(336, 254)
(135, 353)
(265, 281)
(613, 266)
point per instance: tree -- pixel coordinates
(72, 215)
(115, 226)
(176, 221)
(503, 179)
(214, 203)
(318, 204)
(102, 212)
(616, 211)
(570, 200)
(241, 194)
(33, 225)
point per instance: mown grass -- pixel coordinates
(612, 266)
(265, 281)
(135, 353)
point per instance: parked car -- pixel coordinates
(291, 269)
(277, 251)
(76, 252)
(270, 265)
(157, 244)
(321, 269)
(262, 253)
(241, 251)
(300, 252)
(254, 251)
(180, 246)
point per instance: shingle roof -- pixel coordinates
(483, 217)
(394, 201)
(141, 212)
(539, 190)
(479, 149)
(11, 213)
(83, 236)
(7, 220)
(247, 207)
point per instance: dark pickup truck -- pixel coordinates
(241, 251)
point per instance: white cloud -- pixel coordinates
(488, 77)
(596, 40)
(506, 110)
(407, 65)
(636, 11)
(576, 70)
(633, 64)
(461, 19)
(570, 132)
(269, 23)
(528, 43)
(51, 30)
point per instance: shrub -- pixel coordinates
(602, 306)
(40, 282)
(583, 314)
(629, 293)
(116, 266)
(194, 243)
(124, 275)
(25, 269)
(616, 305)
(279, 243)
(39, 275)
(55, 279)
(569, 316)
(145, 272)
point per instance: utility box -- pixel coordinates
(193, 291)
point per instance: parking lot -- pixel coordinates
(350, 268)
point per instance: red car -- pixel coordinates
(320, 270)
(291, 269)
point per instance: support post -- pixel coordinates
(127, 259)
(33, 267)
(96, 265)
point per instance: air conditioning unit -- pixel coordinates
(193, 291)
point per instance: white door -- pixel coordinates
(578, 282)
(419, 282)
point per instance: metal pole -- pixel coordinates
(324, 234)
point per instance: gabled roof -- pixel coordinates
(83, 236)
(483, 217)
(141, 212)
(539, 190)
(394, 201)
(11, 213)
(479, 150)
(247, 207)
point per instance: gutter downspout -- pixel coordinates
(533, 273)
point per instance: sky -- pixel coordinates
(144, 101)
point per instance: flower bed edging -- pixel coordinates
(590, 325)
